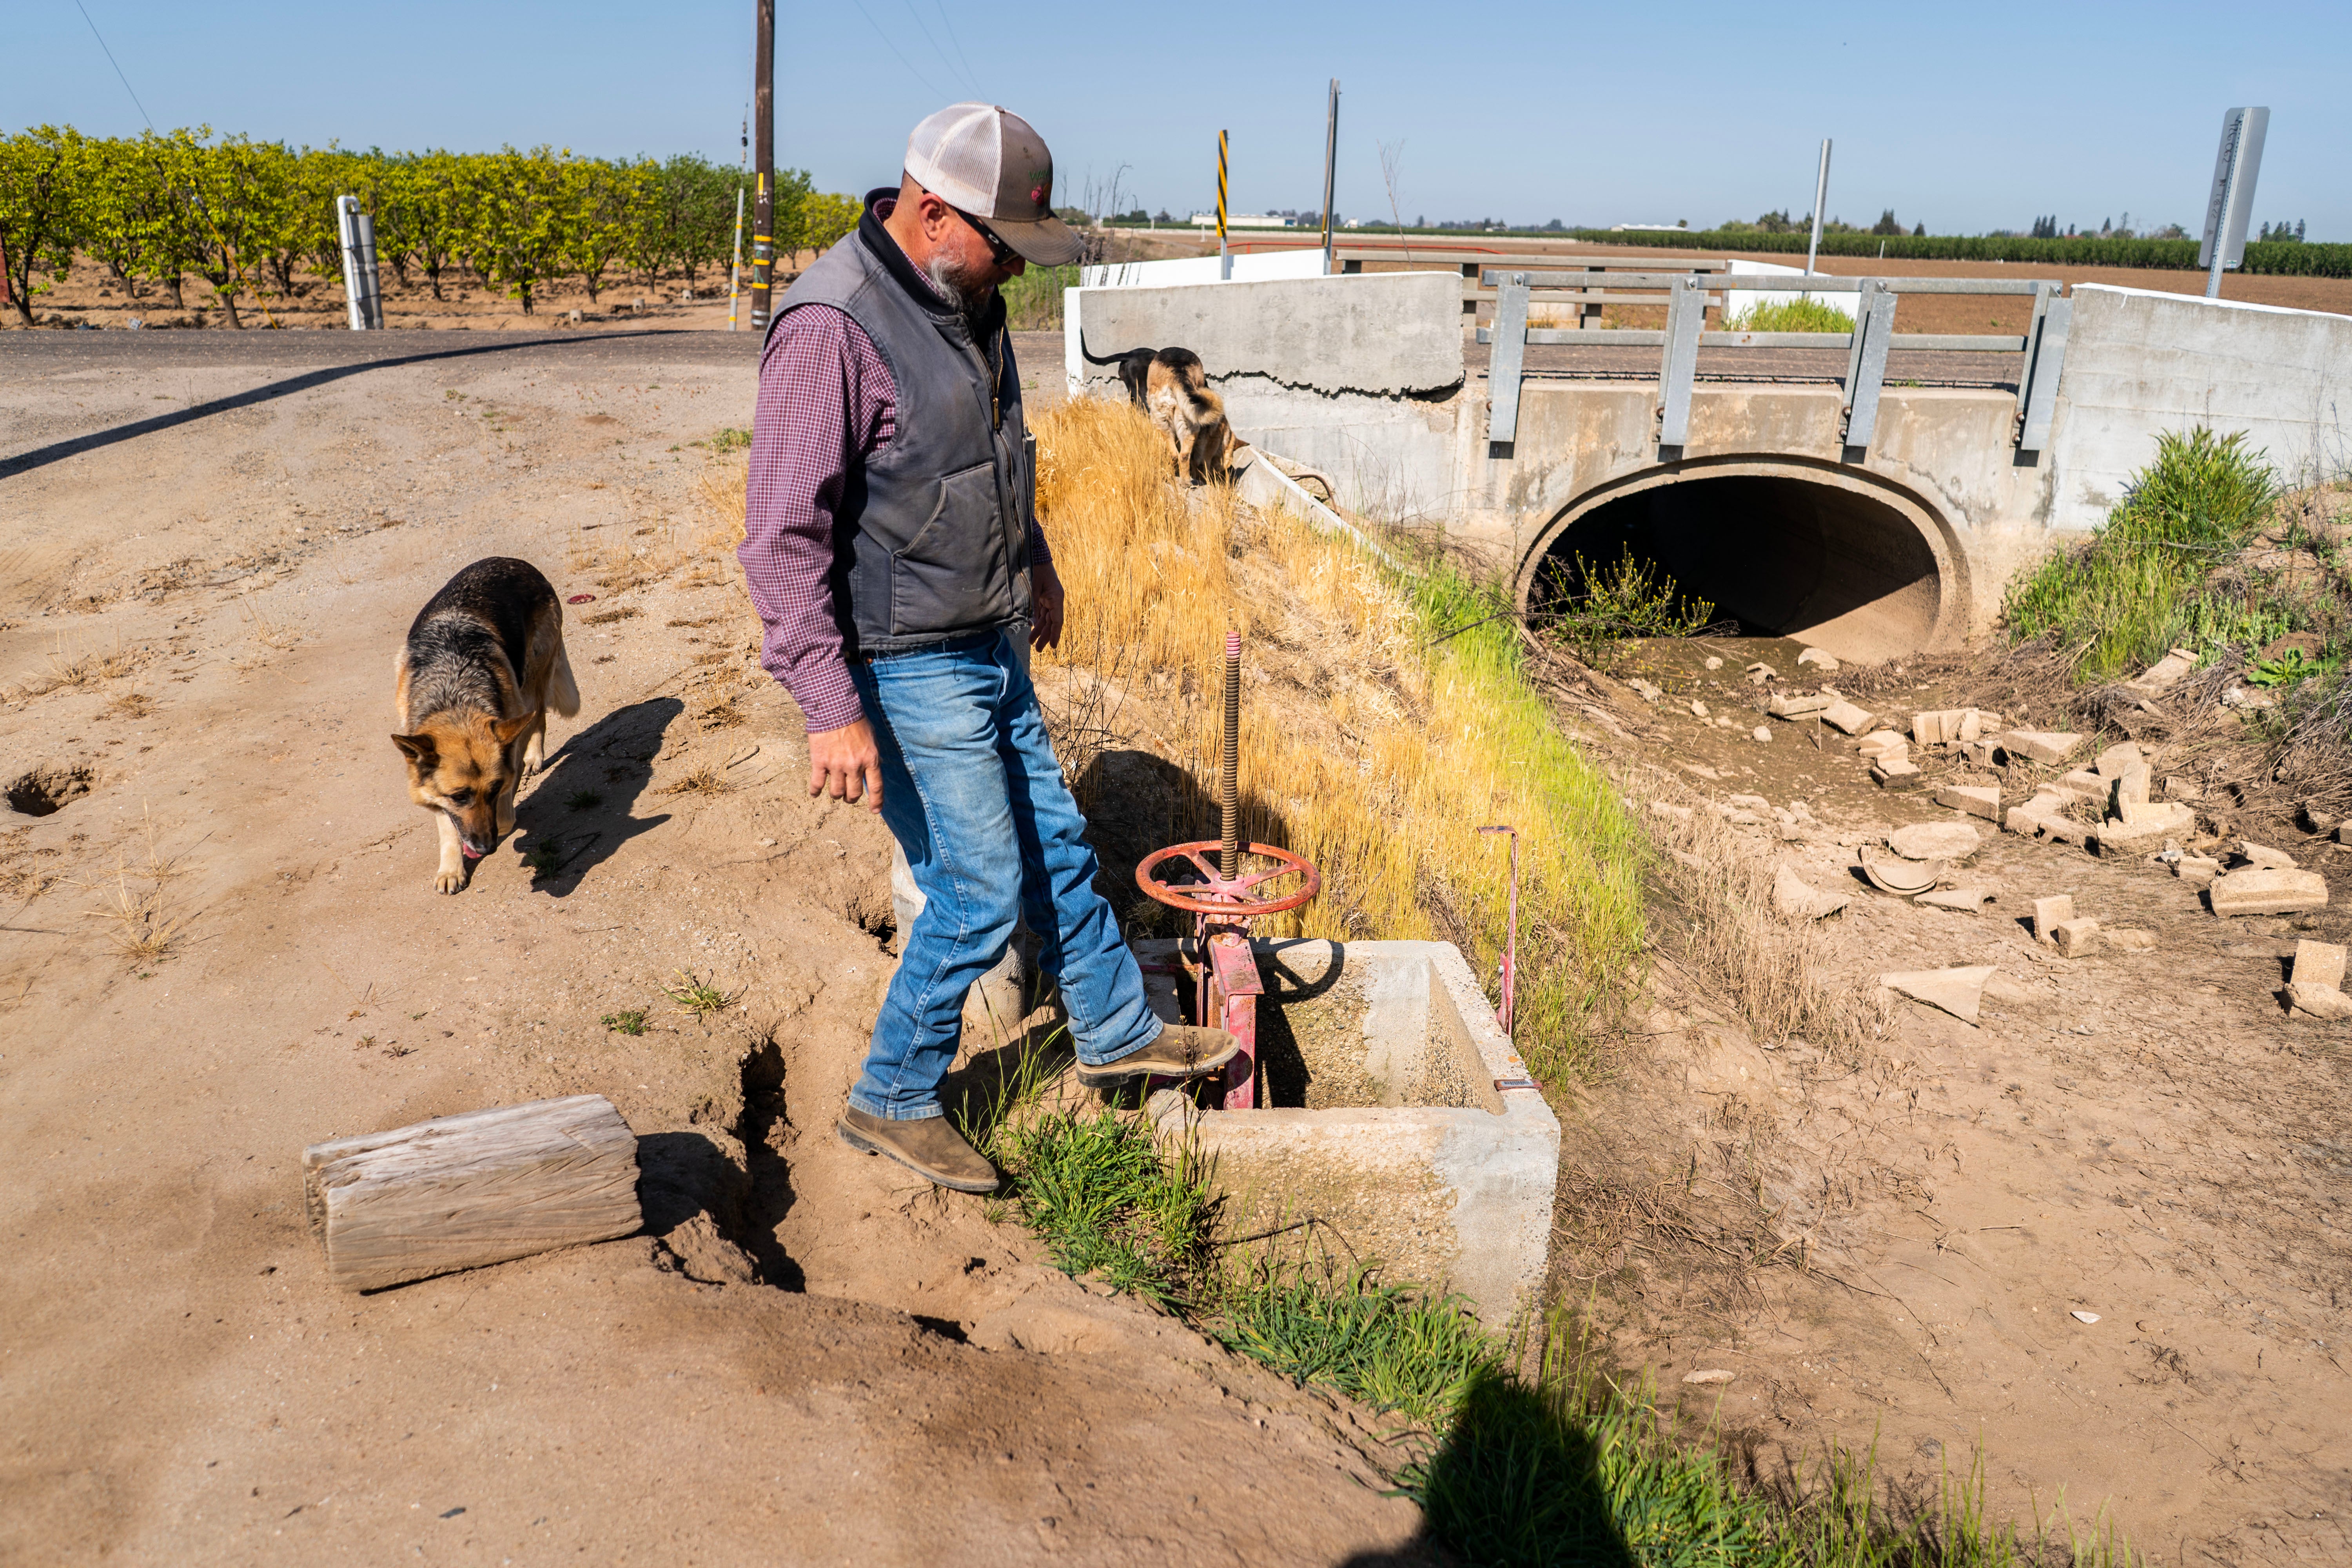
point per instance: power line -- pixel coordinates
(879, 33)
(926, 31)
(950, 25)
(110, 60)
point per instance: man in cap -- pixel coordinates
(892, 548)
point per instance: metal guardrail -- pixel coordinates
(1687, 295)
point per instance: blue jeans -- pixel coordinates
(970, 789)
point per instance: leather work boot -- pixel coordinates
(929, 1147)
(1183, 1050)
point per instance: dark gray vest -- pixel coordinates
(931, 539)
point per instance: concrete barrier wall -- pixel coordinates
(1357, 375)
(2138, 364)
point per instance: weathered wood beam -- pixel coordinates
(459, 1192)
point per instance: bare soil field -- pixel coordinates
(2100, 1233)
(224, 945)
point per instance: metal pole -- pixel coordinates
(2222, 239)
(1229, 853)
(1820, 198)
(370, 283)
(1224, 250)
(347, 210)
(1330, 156)
(735, 268)
(763, 200)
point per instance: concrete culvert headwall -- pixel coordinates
(1855, 568)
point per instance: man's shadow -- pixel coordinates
(580, 807)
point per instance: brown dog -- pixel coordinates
(483, 664)
(1177, 397)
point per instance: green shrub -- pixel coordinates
(2144, 582)
(1801, 315)
(1033, 302)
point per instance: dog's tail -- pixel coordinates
(1094, 358)
(563, 690)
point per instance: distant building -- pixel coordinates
(1243, 220)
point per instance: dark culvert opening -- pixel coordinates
(44, 791)
(1779, 556)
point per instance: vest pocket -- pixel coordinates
(951, 575)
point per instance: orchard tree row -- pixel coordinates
(254, 221)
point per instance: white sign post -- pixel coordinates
(362, 293)
(2231, 203)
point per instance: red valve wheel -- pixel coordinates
(1216, 895)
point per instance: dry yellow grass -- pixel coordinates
(1415, 747)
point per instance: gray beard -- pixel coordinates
(964, 288)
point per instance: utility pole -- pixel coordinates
(1821, 197)
(1330, 156)
(764, 156)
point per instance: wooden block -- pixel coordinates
(459, 1192)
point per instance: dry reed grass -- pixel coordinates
(704, 780)
(1384, 762)
(141, 932)
(1719, 924)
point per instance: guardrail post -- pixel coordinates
(1686, 318)
(1504, 366)
(1865, 372)
(2044, 357)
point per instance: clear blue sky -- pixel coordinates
(1968, 118)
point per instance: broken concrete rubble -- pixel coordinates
(2145, 823)
(1649, 692)
(1968, 900)
(2074, 938)
(2321, 1002)
(2049, 912)
(1956, 991)
(1845, 716)
(2264, 855)
(1977, 800)
(1797, 705)
(1934, 840)
(1794, 899)
(2166, 671)
(2196, 871)
(1761, 732)
(1814, 656)
(1896, 774)
(1894, 874)
(2265, 891)
(1881, 745)
(2318, 963)
(2037, 745)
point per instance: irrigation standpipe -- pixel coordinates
(1510, 965)
(1224, 898)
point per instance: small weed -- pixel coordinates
(413, 1016)
(544, 858)
(606, 617)
(140, 934)
(728, 440)
(2289, 667)
(130, 705)
(704, 780)
(584, 800)
(697, 996)
(364, 1043)
(631, 1022)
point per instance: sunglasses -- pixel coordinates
(1000, 253)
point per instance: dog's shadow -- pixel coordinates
(581, 806)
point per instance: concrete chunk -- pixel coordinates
(2198, 870)
(2045, 814)
(1956, 991)
(1968, 900)
(1927, 728)
(1816, 656)
(1794, 899)
(2074, 938)
(1796, 705)
(2164, 672)
(1761, 732)
(1845, 716)
(2048, 912)
(1896, 774)
(1882, 744)
(2145, 824)
(1934, 841)
(2264, 890)
(2264, 855)
(2039, 745)
(2321, 1002)
(1977, 800)
(2116, 758)
(2318, 963)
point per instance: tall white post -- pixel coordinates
(347, 213)
(1330, 157)
(1820, 198)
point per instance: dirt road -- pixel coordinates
(224, 945)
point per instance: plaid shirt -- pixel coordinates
(826, 403)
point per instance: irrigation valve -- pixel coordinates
(1224, 898)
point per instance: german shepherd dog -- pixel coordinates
(483, 664)
(1171, 386)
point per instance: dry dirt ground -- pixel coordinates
(1895, 1251)
(225, 945)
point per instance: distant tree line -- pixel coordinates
(248, 219)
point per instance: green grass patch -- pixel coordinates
(1582, 854)
(1520, 1452)
(1033, 302)
(1802, 315)
(2150, 579)
(697, 996)
(631, 1022)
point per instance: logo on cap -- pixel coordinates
(1040, 195)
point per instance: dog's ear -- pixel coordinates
(417, 748)
(506, 730)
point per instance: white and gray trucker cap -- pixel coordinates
(992, 163)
